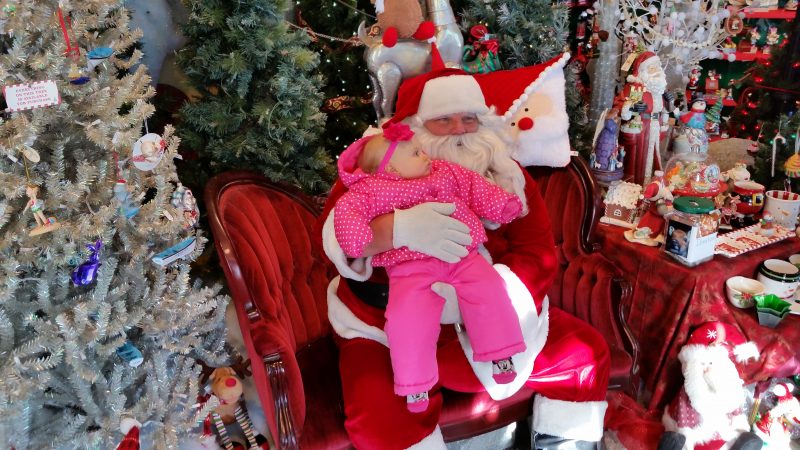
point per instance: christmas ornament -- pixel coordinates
(773, 38)
(708, 408)
(226, 386)
(148, 151)
(124, 199)
(43, 224)
(98, 55)
(480, 56)
(130, 354)
(389, 66)
(657, 203)
(183, 199)
(694, 78)
(76, 75)
(177, 251)
(86, 273)
(130, 428)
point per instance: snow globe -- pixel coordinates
(694, 174)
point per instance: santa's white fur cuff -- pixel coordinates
(572, 420)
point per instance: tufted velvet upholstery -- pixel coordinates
(278, 281)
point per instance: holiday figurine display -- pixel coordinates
(772, 39)
(35, 204)
(694, 124)
(755, 36)
(657, 203)
(605, 160)
(227, 387)
(647, 81)
(708, 411)
(694, 78)
(480, 56)
(775, 425)
(87, 272)
(766, 225)
(713, 117)
(712, 82)
(402, 19)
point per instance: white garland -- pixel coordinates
(685, 31)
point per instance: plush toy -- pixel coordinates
(774, 426)
(227, 387)
(709, 410)
(658, 201)
(532, 104)
(402, 19)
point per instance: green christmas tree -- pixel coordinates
(532, 32)
(89, 336)
(347, 91)
(261, 93)
(713, 114)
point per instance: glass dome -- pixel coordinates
(693, 174)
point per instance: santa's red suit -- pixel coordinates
(570, 372)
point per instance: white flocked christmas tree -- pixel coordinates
(89, 337)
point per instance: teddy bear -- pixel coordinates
(709, 411)
(402, 19)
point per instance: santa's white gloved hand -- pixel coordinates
(428, 228)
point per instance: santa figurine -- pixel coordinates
(645, 94)
(709, 412)
(130, 428)
(694, 78)
(658, 202)
(774, 426)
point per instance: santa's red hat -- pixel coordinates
(506, 90)
(641, 64)
(718, 333)
(130, 428)
(437, 93)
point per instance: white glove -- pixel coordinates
(428, 228)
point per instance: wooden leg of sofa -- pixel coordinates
(287, 439)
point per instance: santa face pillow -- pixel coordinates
(532, 104)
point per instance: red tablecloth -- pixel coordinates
(670, 300)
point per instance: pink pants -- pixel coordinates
(414, 313)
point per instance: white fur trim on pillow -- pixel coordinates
(433, 441)
(534, 332)
(359, 269)
(572, 420)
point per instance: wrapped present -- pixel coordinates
(480, 56)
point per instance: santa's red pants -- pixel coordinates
(573, 366)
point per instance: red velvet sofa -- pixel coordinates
(278, 279)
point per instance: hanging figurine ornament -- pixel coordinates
(130, 354)
(36, 205)
(86, 273)
(148, 151)
(183, 199)
(480, 56)
(75, 74)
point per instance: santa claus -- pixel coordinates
(774, 426)
(709, 410)
(454, 120)
(645, 94)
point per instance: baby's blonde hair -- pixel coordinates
(373, 153)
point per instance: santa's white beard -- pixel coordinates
(717, 391)
(655, 85)
(484, 151)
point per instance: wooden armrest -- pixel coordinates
(626, 298)
(287, 435)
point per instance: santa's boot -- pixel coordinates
(671, 440)
(565, 425)
(747, 441)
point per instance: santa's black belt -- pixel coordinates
(646, 116)
(371, 293)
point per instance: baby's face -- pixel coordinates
(410, 161)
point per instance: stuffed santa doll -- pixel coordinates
(709, 409)
(532, 104)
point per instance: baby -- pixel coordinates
(387, 172)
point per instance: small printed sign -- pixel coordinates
(20, 97)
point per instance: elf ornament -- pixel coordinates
(708, 411)
(402, 19)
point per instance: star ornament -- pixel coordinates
(712, 335)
